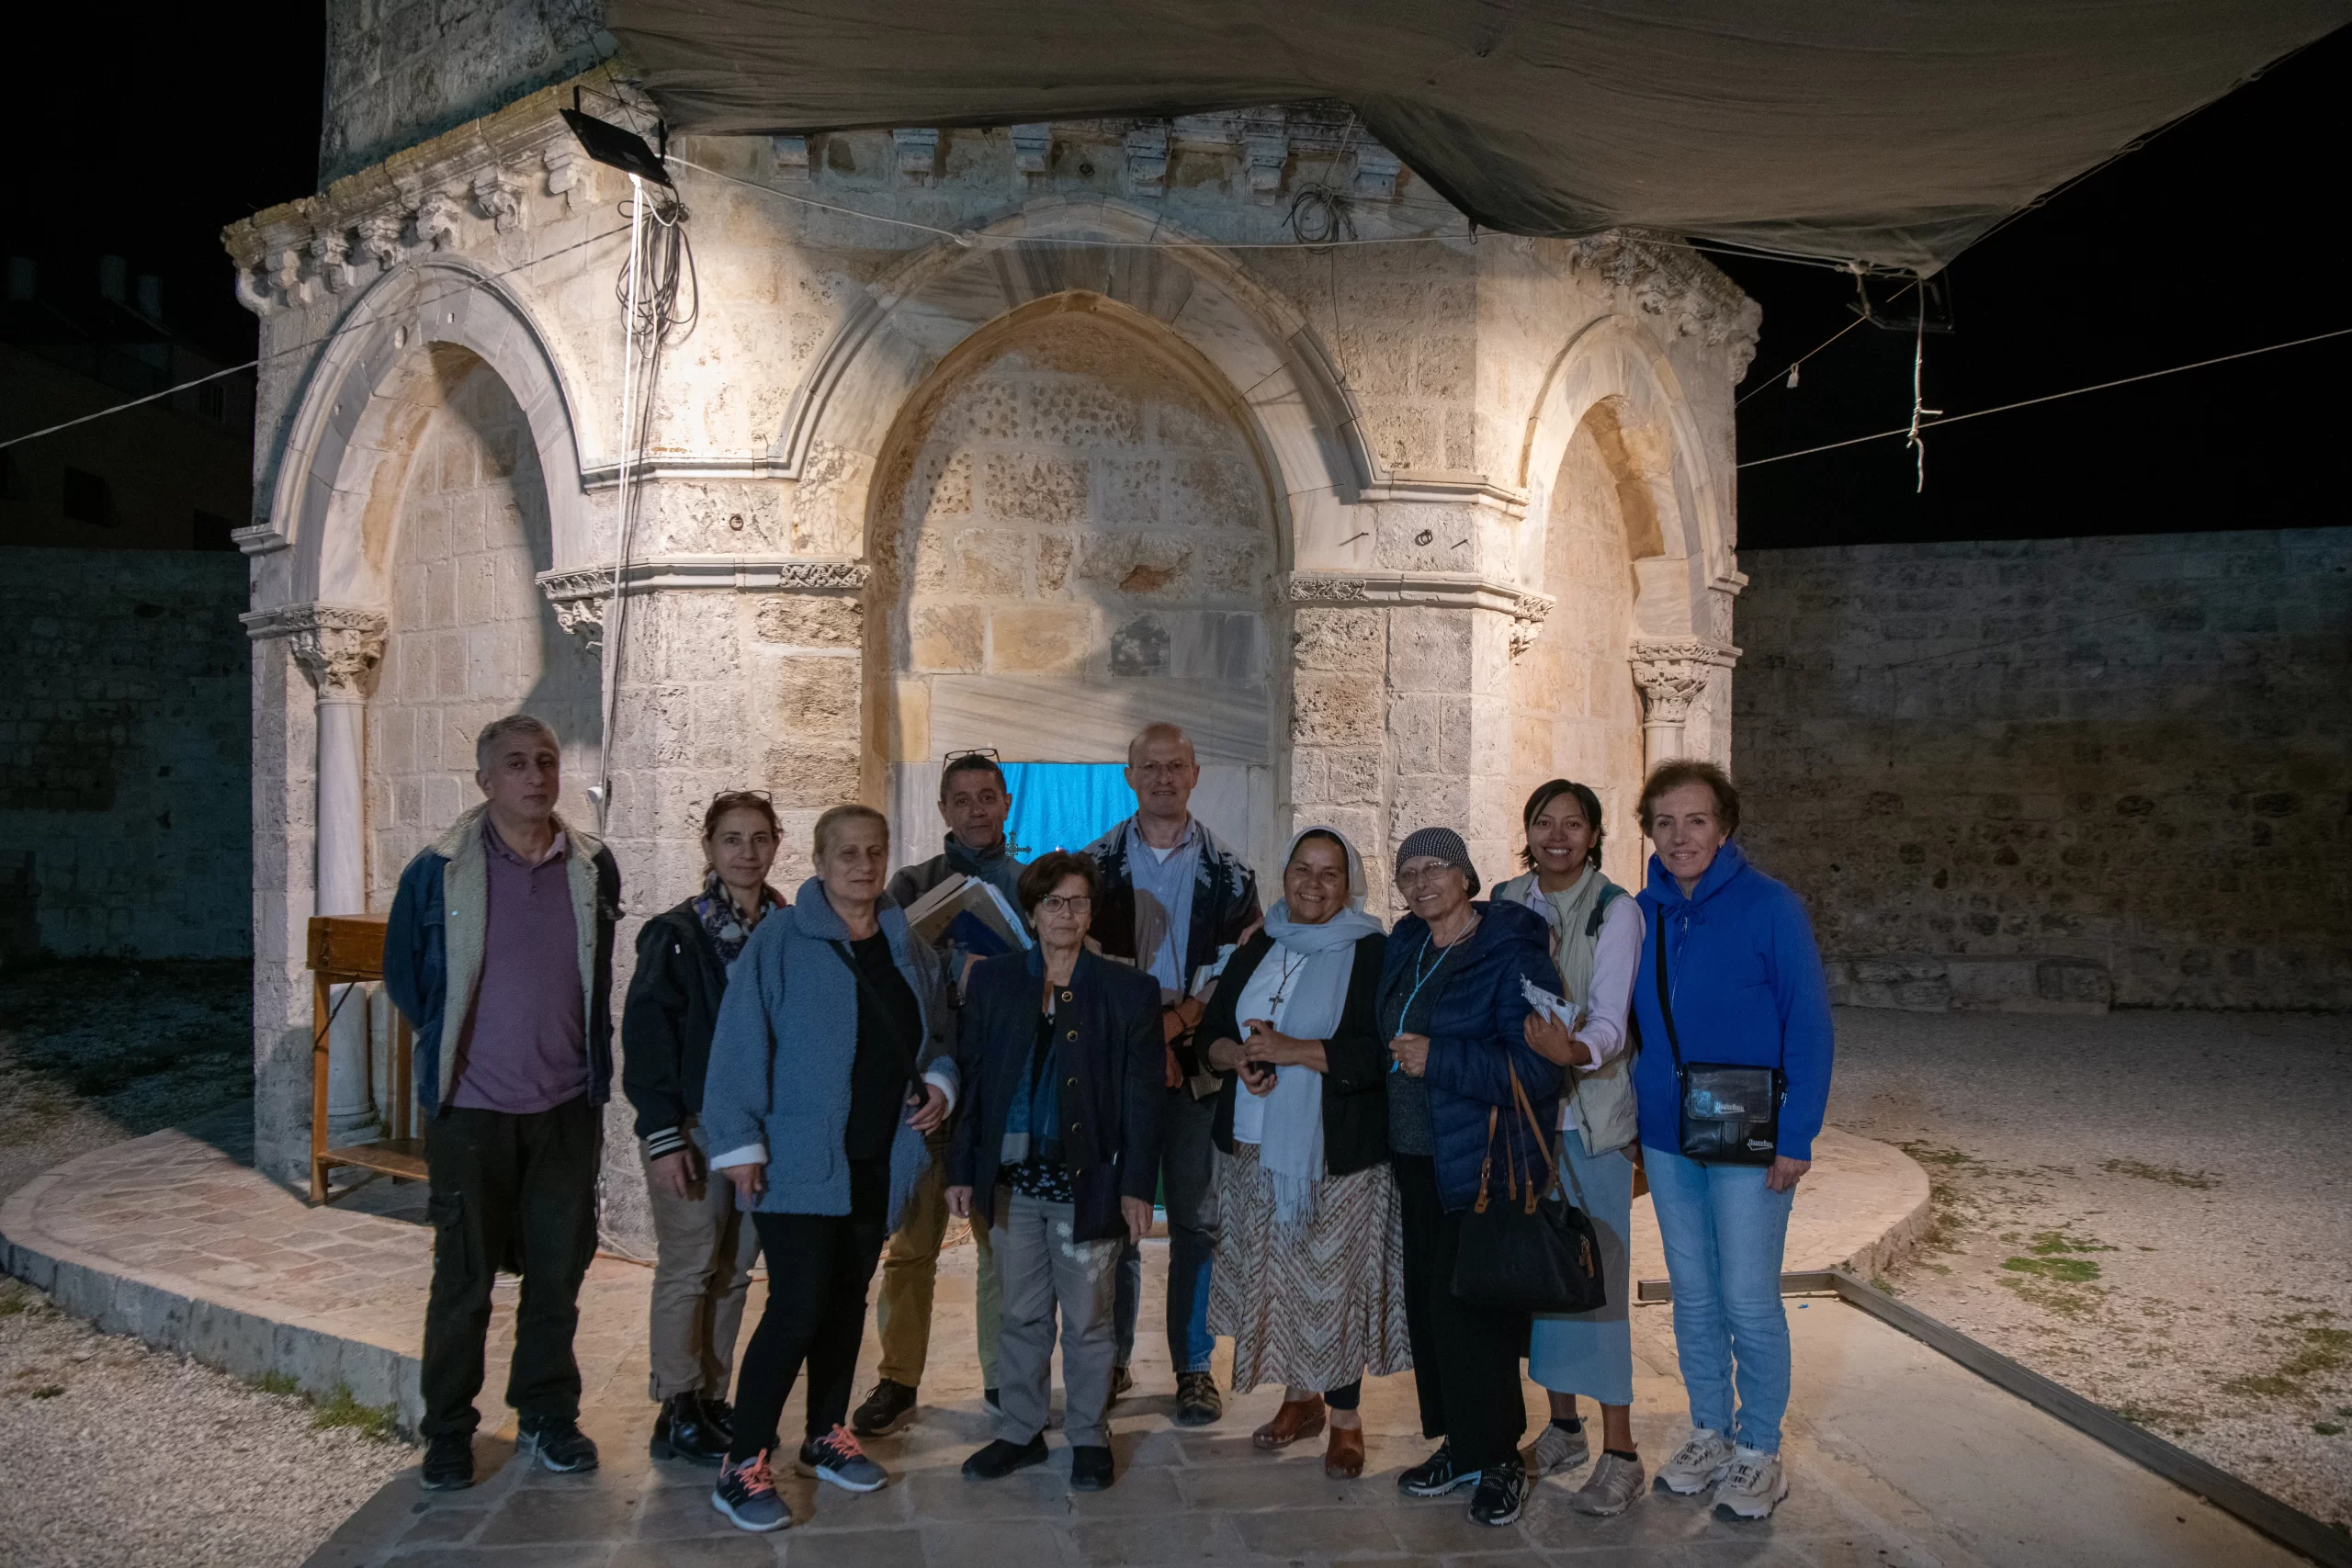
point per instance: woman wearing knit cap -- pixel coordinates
(1309, 1275)
(1597, 941)
(1453, 1006)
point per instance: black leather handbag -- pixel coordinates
(1731, 1112)
(1537, 1252)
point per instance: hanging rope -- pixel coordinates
(1918, 360)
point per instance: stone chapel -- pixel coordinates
(1017, 438)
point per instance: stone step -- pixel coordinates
(1972, 982)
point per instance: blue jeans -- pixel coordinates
(1188, 1189)
(1724, 1235)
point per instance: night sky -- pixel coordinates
(159, 125)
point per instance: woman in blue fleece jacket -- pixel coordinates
(1744, 981)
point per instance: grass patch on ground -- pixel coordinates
(2050, 1244)
(378, 1422)
(2154, 1417)
(2060, 1297)
(277, 1382)
(2171, 1175)
(2066, 1271)
(2325, 1350)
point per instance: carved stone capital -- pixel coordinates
(563, 171)
(1672, 673)
(1147, 153)
(1033, 148)
(285, 277)
(791, 154)
(1265, 148)
(338, 646)
(331, 249)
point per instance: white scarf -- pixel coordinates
(1291, 1144)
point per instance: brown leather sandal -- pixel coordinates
(1343, 1461)
(1297, 1418)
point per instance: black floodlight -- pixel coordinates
(623, 149)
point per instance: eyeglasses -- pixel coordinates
(1417, 877)
(1076, 904)
(989, 752)
(726, 796)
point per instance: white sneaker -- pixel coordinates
(1611, 1487)
(1753, 1485)
(1702, 1460)
(1555, 1450)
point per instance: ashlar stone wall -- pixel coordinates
(2135, 749)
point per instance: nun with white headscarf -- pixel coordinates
(1309, 1275)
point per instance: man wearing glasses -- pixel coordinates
(1173, 897)
(974, 803)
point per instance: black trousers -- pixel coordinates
(504, 1188)
(1465, 1357)
(818, 1268)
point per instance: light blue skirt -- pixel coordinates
(1591, 1353)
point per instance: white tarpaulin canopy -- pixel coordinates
(1895, 133)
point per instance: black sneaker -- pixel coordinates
(1502, 1488)
(884, 1408)
(562, 1446)
(1090, 1468)
(1001, 1459)
(449, 1462)
(1197, 1400)
(1435, 1476)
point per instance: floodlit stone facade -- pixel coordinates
(1082, 437)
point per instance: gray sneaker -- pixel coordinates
(837, 1457)
(1702, 1460)
(1555, 1450)
(1753, 1488)
(1611, 1487)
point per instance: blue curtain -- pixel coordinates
(1064, 806)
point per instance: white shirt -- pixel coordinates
(1256, 1000)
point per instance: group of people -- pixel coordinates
(1316, 1104)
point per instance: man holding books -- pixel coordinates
(974, 803)
(1173, 902)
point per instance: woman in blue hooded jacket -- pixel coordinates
(1452, 1006)
(1744, 982)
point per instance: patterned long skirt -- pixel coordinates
(1319, 1305)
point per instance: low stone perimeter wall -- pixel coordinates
(126, 776)
(2132, 752)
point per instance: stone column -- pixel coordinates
(1670, 676)
(339, 649)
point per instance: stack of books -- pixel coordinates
(970, 913)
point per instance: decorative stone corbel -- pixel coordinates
(331, 249)
(918, 150)
(1376, 171)
(1527, 618)
(1265, 149)
(563, 173)
(285, 277)
(791, 153)
(580, 598)
(254, 293)
(380, 239)
(499, 199)
(1033, 148)
(436, 220)
(1148, 159)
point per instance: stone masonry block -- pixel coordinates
(816, 697)
(1430, 650)
(1331, 709)
(946, 638)
(1340, 639)
(991, 562)
(798, 776)
(1023, 488)
(1040, 638)
(810, 621)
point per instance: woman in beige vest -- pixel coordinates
(1596, 943)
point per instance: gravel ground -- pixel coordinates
(111, 1452)
(2152, 1208)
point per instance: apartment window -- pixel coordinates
(88, 499)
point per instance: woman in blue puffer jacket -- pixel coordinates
(1744, 982)
(1453, 1006)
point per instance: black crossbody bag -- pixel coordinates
(1731, 1113)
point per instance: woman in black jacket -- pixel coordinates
(1057, 1150)
(702, 1248)
(1309, 1276)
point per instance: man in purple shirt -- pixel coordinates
(500, 952)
